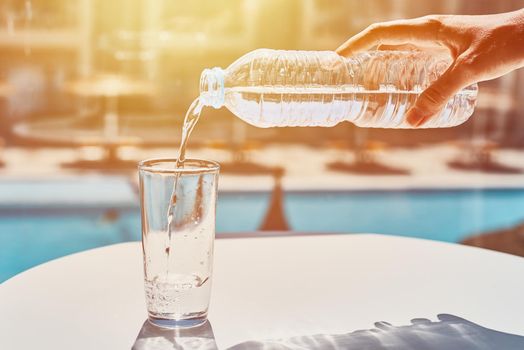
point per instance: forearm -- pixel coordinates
(518, 23)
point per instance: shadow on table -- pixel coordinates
(155, 338)
(448, 333)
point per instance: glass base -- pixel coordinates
(174, 324)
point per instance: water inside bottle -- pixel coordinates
(284, 106)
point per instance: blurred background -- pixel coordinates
(90, 87)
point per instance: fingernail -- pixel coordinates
(414, 118)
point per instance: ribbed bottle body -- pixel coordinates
(277, 88)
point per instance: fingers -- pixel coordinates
(434, 98)
(418, 30)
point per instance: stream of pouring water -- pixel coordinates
(190, 120)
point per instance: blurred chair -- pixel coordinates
(6, 90)
(275, 218)
(240, 163)
(365, 162)
(109, 87)
(478, 153)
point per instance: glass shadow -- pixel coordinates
(152, 337)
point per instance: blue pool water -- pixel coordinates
(444, 215)
(34, 230)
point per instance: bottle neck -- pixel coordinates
(212, 87)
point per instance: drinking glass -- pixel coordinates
(178, 230)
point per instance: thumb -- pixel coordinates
(432, 100)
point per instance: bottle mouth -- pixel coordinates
(212, 87)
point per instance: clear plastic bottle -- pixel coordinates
(276, 88)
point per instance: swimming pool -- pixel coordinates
(31, 234)
(444, 215)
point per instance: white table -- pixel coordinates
(263, 288)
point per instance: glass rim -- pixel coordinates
(149, 166)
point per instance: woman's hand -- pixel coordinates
(481, 47)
